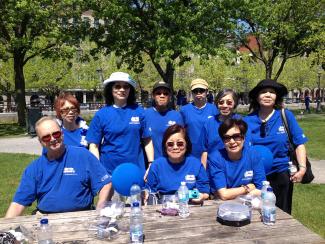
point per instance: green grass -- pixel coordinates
(11, 168)
(309, 207)
(12, 130)
(308, 203)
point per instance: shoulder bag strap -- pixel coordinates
(286, 127)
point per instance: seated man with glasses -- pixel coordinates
(64, 179)
(237, 169)
(160, 116)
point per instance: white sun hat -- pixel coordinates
(120, 76)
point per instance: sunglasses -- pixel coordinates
(179, 144)
(162, 93)
(56, 135)
(67, 110)
(228, 102)
(235, 137)
(263, 129)
(118, 87)
(199, 90)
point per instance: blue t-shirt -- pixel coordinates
(75, 138)
(118, 132)
(158, 122)
(194, 120)
(276, 138)
(209, 137)
(225, 173)
(68, 183)
(166, 177)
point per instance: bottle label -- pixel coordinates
(136, 236)
(269, 214)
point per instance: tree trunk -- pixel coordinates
(20, 87)
(268, 70)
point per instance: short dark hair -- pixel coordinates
(173, 129)
(230, 123)
(225, 92)
(109, 100)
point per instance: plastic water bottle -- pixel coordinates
(136, 224)
(183, 197)
(266, 184)
(292, 168)
(135, 193)
(45, 232)
(268, 207)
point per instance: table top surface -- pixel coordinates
(200, 227)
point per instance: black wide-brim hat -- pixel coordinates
(280, 89)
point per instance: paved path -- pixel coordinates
(32, 146)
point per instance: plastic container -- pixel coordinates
(44, 235)
(136, 224)
(292, 168)
(233, 213)
(135, 194)
(268, 207)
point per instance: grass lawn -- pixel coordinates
(308, 205)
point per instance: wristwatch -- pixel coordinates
(246, 187)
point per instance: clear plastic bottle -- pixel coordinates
(44, 235)
(292, 168)
(266, 184)
(136, 224)
(268, 207)
(183, 197)
(135, 194)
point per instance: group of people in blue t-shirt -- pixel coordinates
(208, 146)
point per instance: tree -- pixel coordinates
(166, 31)
(33, 28)
(282, 29)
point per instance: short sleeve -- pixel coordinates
(152, 179)
(202, 182)
(94, 133)
(297, 133)
(258, 168)
(145, 127)
(216, 172)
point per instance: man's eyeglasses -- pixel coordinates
(228, 102)
(263, 129)
(47, 138)
(236, 137)
(199, 90)
(118, 87)
(179, 144)
(67, 110)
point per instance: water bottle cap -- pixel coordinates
(44, 221)
(183, 183)
(290, 162)
(135, 204)
(269, 189)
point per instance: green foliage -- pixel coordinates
(164, 30)
(283, 29)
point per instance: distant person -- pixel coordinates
(196, 114)
(210, 97)
(160, 116)
(64, 179)
(181, 98)
(237, 169)
(267, 129)
(307, 102)
(74, 128)
(117, 130)
(166, 173)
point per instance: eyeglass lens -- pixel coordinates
(198, 90)
(162, 93)
(67, 110)
(178, 144)
(222, 102)
(118, 87)
(235, 137)
(56, 135)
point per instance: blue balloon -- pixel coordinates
(266, 157)
(124, 176)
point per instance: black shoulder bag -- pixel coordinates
(309, 176)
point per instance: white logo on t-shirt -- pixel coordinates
(248, 174)
(171, 122)
(190, 178)
(69, 171)
(281, 129)
(135, 120)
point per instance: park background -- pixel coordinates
(51, 46)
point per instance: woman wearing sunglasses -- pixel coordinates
(116, 131)
(166, 173)
(236, 169)
(196, 114)
(74, 128)
(226, 101)
(267, 129)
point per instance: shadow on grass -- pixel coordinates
(12, 130)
